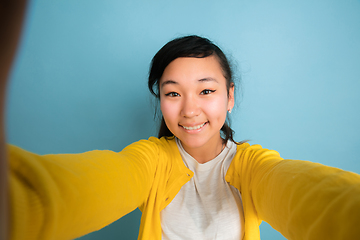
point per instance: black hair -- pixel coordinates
(188, 46)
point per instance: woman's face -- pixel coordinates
(194, 100)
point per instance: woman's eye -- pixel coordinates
(172, 94)
(207, 91)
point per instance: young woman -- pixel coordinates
(193, 181)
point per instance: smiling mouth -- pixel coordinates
(194, 127)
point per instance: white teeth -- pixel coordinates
(194, 128)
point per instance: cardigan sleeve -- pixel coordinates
(65, 196)
(301, 199)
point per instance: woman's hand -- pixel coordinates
(11, 17)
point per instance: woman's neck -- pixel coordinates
(206, 152)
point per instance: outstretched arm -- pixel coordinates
(11, 18)
(300, 199)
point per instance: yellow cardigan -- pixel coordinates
(65, 196)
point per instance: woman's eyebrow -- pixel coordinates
(209, 79)
(168, 82)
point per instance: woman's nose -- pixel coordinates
(190, 108)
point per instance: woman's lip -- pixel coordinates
(193, 126)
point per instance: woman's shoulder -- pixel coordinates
(161, 146)
(247, 147)
(163, 142)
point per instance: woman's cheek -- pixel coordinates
(168, 109)
(217, 108)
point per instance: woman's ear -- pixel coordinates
(231, 98)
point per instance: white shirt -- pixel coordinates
(206, 207)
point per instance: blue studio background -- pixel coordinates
(79, 80)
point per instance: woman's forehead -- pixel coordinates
(201, 70)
